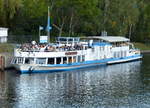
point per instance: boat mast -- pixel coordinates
(48, 25)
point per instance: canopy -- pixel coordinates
(110, 38)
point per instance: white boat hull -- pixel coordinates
(126, 59)
(27, 68)
(74, 55)
(40, 69)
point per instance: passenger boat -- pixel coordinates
(73, 53)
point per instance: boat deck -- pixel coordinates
(51, 48)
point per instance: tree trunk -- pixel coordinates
(60, 29)
(70, 26)
(106, 5)
(130, 31)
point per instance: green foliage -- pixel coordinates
(118, 15)
(130, 18)
(6, 48)
(142, 33)
(79, 16)
(8, 9)
(142, 46)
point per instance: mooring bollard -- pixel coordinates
(2, 62)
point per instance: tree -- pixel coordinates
(142, 33)
(76, 16)
(119, 16)
(31, 15)
(8, 9)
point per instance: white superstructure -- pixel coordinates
(73, 53)
(3, 35)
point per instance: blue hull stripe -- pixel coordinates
(58, 70)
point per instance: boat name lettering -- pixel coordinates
(71, 53)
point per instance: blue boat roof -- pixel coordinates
(101, 43)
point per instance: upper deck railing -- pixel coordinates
(68, 40)
(50, 47)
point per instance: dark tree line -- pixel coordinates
(130, 18)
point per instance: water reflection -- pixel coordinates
(119, 85)
(2, 86)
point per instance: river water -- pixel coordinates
(125, 85)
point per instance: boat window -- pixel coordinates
(70, 39)
(14, 61)
(50, 61)
(19, 60)
(41, 61)
(29, 60)
(76, 39)
(121, 53)
(70, 59)
(118, 54)
(58, 60)
(62, 39)
(103, 48)
(64, 60)
(131, 46)
(79, 58)
(74, 59)
(83, 58)
(115, 55)
(125, 53)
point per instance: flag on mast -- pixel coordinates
(41, 28)
(48, 28)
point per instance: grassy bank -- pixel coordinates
(5, 47)
(142, 46)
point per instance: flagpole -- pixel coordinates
(39, 34)
(48, 31)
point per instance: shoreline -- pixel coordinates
(8, 57)
(145, 51)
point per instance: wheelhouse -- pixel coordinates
(68, 40)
